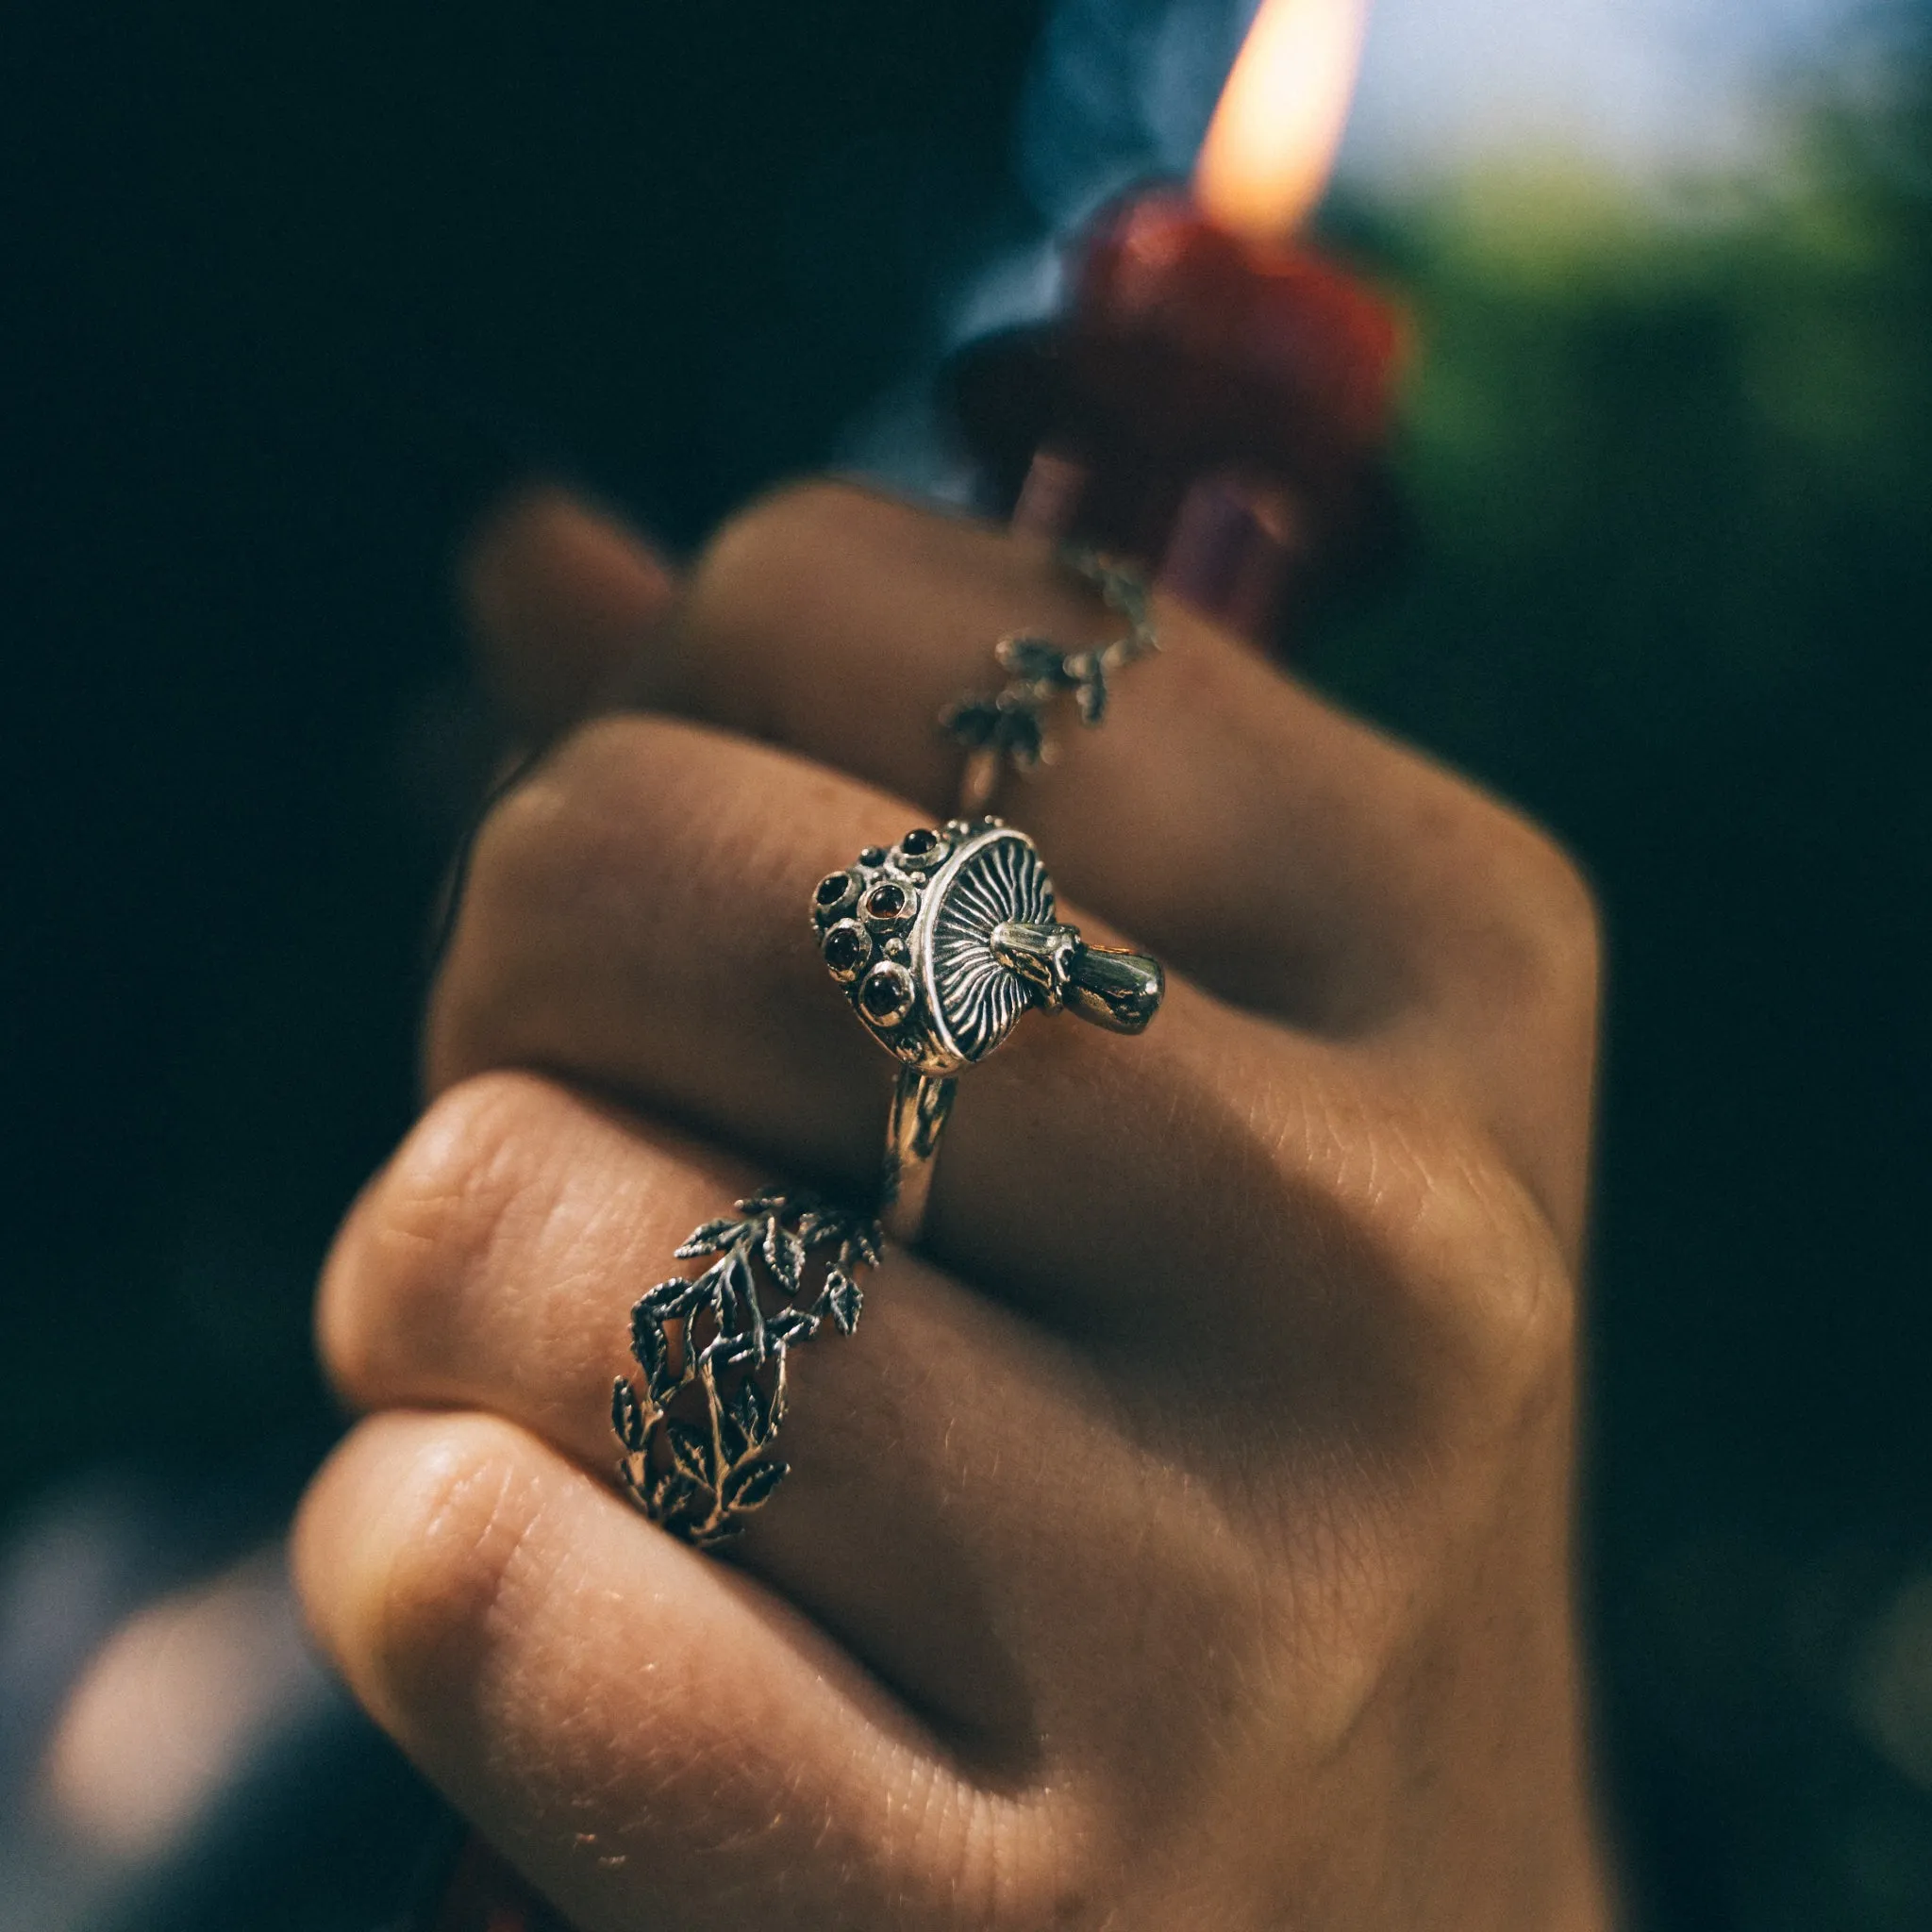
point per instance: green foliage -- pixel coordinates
(1671, 470)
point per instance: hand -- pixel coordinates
(1183, 1540)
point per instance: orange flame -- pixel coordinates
(1271, 147)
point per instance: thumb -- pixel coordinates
(563, 603)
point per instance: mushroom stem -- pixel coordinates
(1119, 990)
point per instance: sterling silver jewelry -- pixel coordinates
(699, 1421)
(1007, 727)
(940, 944)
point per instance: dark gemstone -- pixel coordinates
(834, 890)
(887, 993)
(887, 901)
(846, 949)
(919, 844)
(872, 855)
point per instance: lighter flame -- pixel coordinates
(1270, 147)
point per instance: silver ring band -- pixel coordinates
(920, 1105)
(699, 1421)
(1006, 728)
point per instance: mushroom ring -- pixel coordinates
(942, 943)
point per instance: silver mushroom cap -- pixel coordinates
(942, 943)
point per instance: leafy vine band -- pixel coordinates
(1006, 728)
(699, 1419)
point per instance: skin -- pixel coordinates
(1184, 1538)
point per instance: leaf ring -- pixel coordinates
(1008, 728)
(698, 1421)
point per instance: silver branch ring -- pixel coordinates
(941, 943)
(698, 1421)
(1008, 728)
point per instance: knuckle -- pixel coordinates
(1418, 1247)
(567, 828)
(791, 524)
(1482, 1270)
(452, 1540)
(1443, 1246)
(421, 1230)
(788, 567)
(1545, 936)
(1516, 1314)
(573, 850)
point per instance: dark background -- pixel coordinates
(291, 292)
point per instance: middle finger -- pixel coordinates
(636, 921)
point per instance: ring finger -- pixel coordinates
(636, 922)
(1285, 857)
(493, 1264)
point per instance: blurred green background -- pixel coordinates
(296, 294)
(1674, 483)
